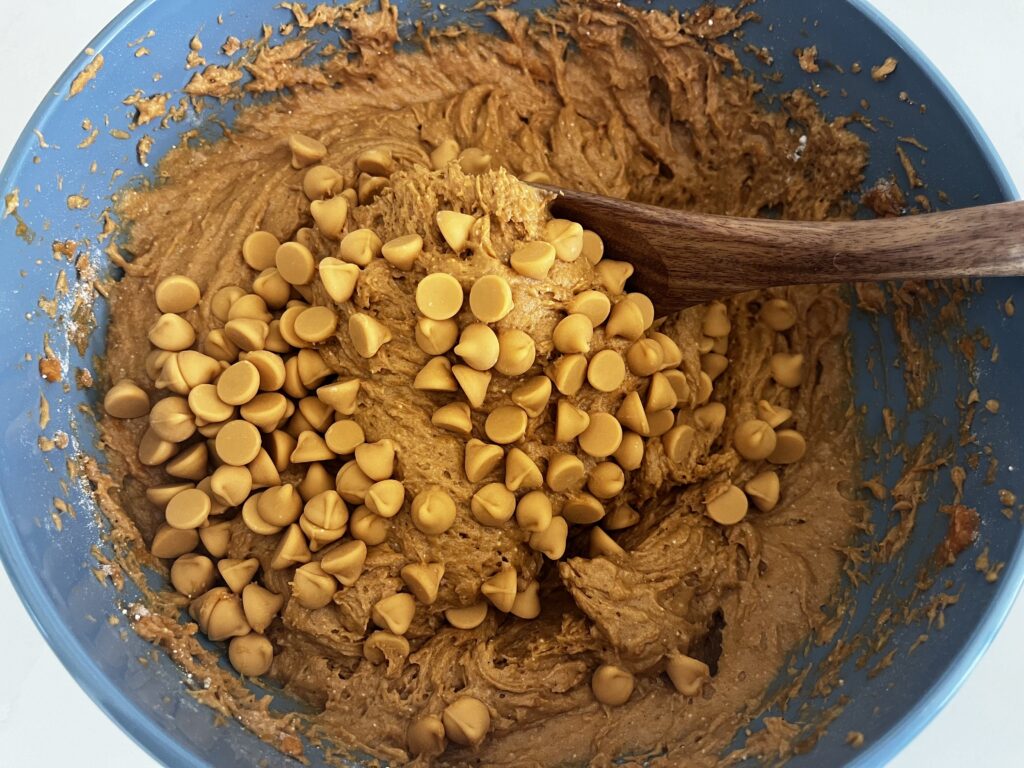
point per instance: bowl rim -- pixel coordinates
(141, 728)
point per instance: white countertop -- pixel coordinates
(38, 699)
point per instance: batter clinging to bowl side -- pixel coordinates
(526, 520)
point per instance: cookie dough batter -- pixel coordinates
(654, 631)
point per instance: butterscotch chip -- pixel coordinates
(478, 346)
(238, 384)
(710, 417)
(433, 511)
(606, 480)
(377, 161)
(245, 334)
(352, 483)
(316, 324)
(790, 447)
(630, 453)
(568, 373)
(565, 472)
(305, 151)
(474, 160)
(671, 353)
(225, 618)
(267, 410)
(613, 275)
(583, 509)
(521, 472)
(344, 436)
(190, 464)
(426, 736)
(570, 421)
(423, 580)
(603, 545)
(533, 395)
(468, 616)
(394, 612)
(171, 419)
(154, 450)
(677, 442)
(660, 422)
(493, 505)
(311, 447)
(264, 473)
(660, 393)
(729, 507)
(506, 424)
(312, 587)
(592, 248)
(322, 181)
(645, 357)
(713, 364)
(716, 320)
(443, 154)
(316, 480)
(645, 305)
(473, 384)
(481, 459)
(368, 334)
(595, 305)
(324, 517)
(377, 460)
(155, 361)
(774, 415)
(237, 443)
(220, 304)
(778, 314)
(192, 574)
(626, 321)
(231, 485)
(534, 259)
(621, 517)
(602, 436)
(251, 654)
(218, 346)
(258, 250)
(385, 498)
(500, 589)
(566, 237)
(612, 685)
(786, 369)
(754, 440)
(279, 506)
(126, 400)
(176, 294)
(345, 561)
(454, 417)
(171, 542)
(533, 512)
(490, 298)
(402, 252)
(160, 495)
(687, 674)
(272, 288)
(172, 333)
(188, 509)
(330, 216)
(360, 247)
(704, 388)
(280, 446)
(382, 646)
(260, 606)
(253, 521)
(435, 337)
(573, 333)
(295, 263)
(339, 278)
(763, 490)
(551, 541)
(341, 395)
(606, 370)
(250, 306)
(291, 550)
(455, 229)
(238, 573)
(439, 296)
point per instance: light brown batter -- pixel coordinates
(644, 109)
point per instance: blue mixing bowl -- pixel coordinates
(49, 523)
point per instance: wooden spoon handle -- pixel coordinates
(686, 258)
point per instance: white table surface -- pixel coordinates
(46, 720)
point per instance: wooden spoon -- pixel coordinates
(683, 258)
